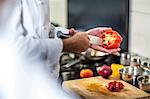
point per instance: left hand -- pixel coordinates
(110, 51)
(97, 32)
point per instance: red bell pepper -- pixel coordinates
(111, 39)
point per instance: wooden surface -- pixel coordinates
(95, 88)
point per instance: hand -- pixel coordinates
(78, 43)
(110, 51)
(98, 32)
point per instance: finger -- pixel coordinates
(101, 30)
(117, 54)
(114, 50)
(93, 32)
(106, 29)
(97, 31)
(72, 31)
(99, 48)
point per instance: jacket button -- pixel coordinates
(41, 2)
(44, 28)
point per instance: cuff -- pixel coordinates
(63, 30)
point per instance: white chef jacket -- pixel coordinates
(29, 24)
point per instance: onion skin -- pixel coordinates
(105, 71)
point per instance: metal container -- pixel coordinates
(133, 59)
(127, 55)
(144, 82)
(68, 76)
(125, 59)
(130, 73)
(145, 64)
(132, 70)
(137, 58)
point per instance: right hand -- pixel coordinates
(78, 43)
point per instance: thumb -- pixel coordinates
(98, 30)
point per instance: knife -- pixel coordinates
(93, 39)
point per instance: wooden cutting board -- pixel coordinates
(95, 88)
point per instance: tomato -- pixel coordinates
(86, 73)
(111, 39)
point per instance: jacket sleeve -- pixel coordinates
(47, 50)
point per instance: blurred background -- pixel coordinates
(131, 18)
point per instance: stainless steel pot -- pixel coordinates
(137, 59)
(145, 64)
(130, 74)
(127, 55)
(68, 76)
(132, 70)
(144, 82)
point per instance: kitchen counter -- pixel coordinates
(95, 88)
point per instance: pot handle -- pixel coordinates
(72, 63)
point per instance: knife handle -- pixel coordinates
(62, 35)
(93, 39)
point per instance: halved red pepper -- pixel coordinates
(111, 39)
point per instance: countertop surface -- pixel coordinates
(95, 88)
